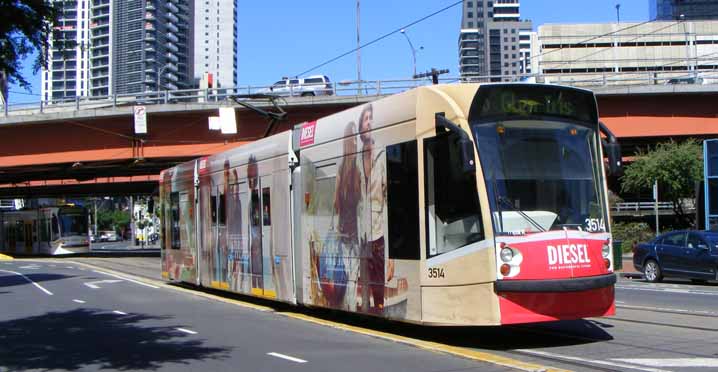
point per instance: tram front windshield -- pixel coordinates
(73, 224)
(542, 171)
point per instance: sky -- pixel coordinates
(289, 37)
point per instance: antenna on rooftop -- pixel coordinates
(618, 13)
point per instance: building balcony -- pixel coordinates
(172, 7)
(172, 47)
(172, 37)
(172, 27)
(171, 17)
(171, 56)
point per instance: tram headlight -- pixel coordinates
(606, 250)
(507, 254)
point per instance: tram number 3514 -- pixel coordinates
(436, 272)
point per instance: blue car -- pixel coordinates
(682, 254)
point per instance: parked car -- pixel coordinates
(688, 254)
(109, 236)
(316, 85)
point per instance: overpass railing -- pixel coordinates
(358, 88)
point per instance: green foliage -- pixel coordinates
(629, 232)
(676, 166)
(25, 28)
(112, 220)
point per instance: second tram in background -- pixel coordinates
(45, 231)
(444, 205)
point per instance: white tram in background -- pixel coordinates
(45, 231)
(443, 205)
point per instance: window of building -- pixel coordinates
(513, 39)
(506, 56)
(506, 47)
(506, 31)
(513, 47)
(402, 194)
(470, 14)
(513, 56)
(513, 30)
(506, 40)
(469, 4)
(471, 25)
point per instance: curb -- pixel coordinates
(426, 345)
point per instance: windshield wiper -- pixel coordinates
(521, 213)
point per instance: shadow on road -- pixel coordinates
(509, 337)
(80, 338)
(9, 280)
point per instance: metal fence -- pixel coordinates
(356, 88)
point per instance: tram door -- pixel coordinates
(205, 231)
(255, 238)
(29, 228)
(267, 249)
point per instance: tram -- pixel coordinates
(458, 204)
(45, 231)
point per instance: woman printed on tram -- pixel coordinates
(347, 193)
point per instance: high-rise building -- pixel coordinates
(667, 10)
(493, 40)
(215, 49)
(104, 47)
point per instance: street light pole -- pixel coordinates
(413, 51)
(358, 51)
(159, 78)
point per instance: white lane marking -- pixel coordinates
(119, 312)
(69, 267)
(79, 301)
(673, 362)
(669, 290)
(29, 280)
(51, 265)
(584, 360)
(31, 267)
(287, 357)
(94, 285)
(186, 331)
(620, 302)
(653, 308)
(129, 280)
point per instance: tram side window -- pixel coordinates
(20, 231)
(55, 227)
(403, 200)
(213, 208)
(175, 222)
(453, 213)
(222, 210)
(266, 215)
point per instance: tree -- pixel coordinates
(26, 28)
(676, 166)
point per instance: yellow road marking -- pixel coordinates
(5, 257)
(427, 345)
(432, 346)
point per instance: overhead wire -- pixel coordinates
(381, 38)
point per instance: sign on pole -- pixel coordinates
(140, 120)
(214, 123)
(227, 120)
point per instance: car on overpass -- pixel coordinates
(315, 85)
(690, 254)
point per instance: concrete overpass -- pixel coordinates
(93, 150)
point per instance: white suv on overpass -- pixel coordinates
(315, 85)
